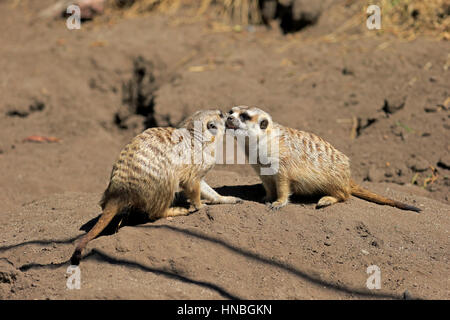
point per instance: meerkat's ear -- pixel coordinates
(264, 124)
(189, 125)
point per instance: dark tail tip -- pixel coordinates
(415, 209)
(410, 208)
(76, 257)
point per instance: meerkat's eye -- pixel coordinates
(244, 117)
(211, 126)
(264, 124)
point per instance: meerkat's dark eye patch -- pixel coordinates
(211, 126)
(264, 124)
(244, 117)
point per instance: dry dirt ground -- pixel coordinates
(381, 100)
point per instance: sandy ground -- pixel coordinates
(68, 84)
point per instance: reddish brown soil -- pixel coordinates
(50, 190)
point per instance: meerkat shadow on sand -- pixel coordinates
(255, 193)
(245, 192)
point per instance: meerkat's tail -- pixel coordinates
(362, 193)
(109, 212)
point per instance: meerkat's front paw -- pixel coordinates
(198, 206)
(226, 200)
(277, 205)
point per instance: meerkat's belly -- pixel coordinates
(318, 173)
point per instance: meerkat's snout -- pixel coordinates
(232, 122)
(252, 120)
(235, 119)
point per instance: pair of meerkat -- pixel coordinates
(305, 163)
(157, 163)
(153, 166)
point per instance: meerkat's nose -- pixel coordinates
(230, 123)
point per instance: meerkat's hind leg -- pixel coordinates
(213, 197)
(326, 201)
(176, 211)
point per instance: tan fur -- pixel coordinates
(308, 165)
(148, 172)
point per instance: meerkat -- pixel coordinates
(157, 163)
(305, 163)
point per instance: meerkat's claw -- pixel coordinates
(118, 225)
(277, 205)
(198, 206)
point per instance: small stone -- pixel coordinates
(347, 72)
(365, 252)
